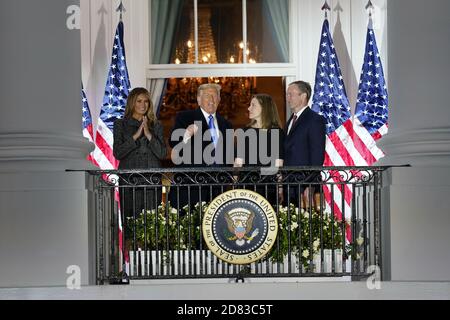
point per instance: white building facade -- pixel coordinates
(46, 224)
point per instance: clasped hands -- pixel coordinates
(143, 128)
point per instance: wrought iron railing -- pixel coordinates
(156, 231)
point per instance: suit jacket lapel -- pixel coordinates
(286, 127)
(300, 119)
(200, 117)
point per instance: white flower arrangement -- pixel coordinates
(306, 233)
(302, 231)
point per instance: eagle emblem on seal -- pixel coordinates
(240, 224)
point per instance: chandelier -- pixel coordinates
(185, 52)
(236, 93)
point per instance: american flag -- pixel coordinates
(371, 113)
(86, 120)
(114, 102)
(330, 101)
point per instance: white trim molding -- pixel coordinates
(220, 70)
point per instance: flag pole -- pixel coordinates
(326, 8)
(121, 9)
(369, 6)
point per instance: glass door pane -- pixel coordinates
(268, 30)
(235, 97)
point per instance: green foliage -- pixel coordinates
(192, 224)
(153, 230)
(166, 230)
(303, 233)
(306, 232)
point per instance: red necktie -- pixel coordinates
(294, 118)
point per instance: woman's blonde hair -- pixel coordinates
(269, 114)
(131, 101)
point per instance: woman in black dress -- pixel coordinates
(138, 144)
(260, 144)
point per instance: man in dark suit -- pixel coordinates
(304, 144)
(198, 139)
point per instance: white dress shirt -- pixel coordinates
(206, 115)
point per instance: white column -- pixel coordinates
(418, 222)
(43, 209)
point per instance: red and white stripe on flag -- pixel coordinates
(114, 100)
(103, 153)
(349, 145)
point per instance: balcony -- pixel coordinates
(160, 229)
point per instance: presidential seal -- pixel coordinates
(240, 226)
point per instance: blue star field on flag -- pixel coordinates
(330, 99)
(118, 83)
(372, 101)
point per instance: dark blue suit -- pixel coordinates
(184, 119)
(304, 145)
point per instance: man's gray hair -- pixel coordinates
(303, 87)
(209, 86)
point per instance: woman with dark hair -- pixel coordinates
(138, 144)
(260, 144)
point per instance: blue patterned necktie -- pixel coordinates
(212, 129)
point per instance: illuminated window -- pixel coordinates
(228, 31)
